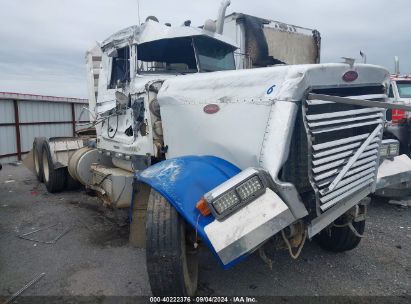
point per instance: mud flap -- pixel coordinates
(28, 161)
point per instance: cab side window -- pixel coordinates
(120, 71)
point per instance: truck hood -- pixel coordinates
(264, 85)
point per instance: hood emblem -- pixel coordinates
(211, 108)
(350, 76)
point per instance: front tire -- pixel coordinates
(340, 239)
(172, 261)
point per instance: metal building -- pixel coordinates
(25, 116)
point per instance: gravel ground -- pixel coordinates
(93, 258)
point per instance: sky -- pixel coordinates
(43, 42)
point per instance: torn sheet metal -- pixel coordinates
(138, 114)
(394, 171)
(151, 31)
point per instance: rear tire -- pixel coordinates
(54, 179)
(172, 262)
(340, 239)
(37, 157)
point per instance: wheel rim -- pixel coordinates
(46, 170)
(36, 162)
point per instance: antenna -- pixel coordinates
(138, 11)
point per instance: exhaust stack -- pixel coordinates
(221, 16)
(364, 57)
(397, 65)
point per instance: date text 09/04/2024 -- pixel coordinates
(238, 299)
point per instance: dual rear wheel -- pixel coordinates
(172, 259)
(55, 179)
(37, 157)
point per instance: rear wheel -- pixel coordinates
(37, 157)
(341, 237)
(172, 261)
(54, 179)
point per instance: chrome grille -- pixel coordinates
(344, 143)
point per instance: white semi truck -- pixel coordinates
(206, 155)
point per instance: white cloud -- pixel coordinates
(43, 42)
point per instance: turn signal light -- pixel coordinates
(202, 206)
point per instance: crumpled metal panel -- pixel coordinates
(151, 30)
(174, 179)
(260, 86)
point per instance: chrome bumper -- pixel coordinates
(394, 174)
(243, 231)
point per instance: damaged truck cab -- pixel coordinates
(283, 153)
(204, 154)
(300, 159)
(135, 63)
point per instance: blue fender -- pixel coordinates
(183, 181)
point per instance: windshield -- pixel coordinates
(167, 56)
(177, 56)
(404, 89)
(213, 55)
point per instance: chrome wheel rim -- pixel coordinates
(36, 162)
(46, 170)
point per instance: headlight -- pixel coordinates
(389, 148)
(226, 202)
(394, 149)
(249, 188)
(238, 191)
(384, 150)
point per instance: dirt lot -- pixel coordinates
(93, 256)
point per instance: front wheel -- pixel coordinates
(341, 237)
(172, 261)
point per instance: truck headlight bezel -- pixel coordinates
(389, 148)
(236, 192)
